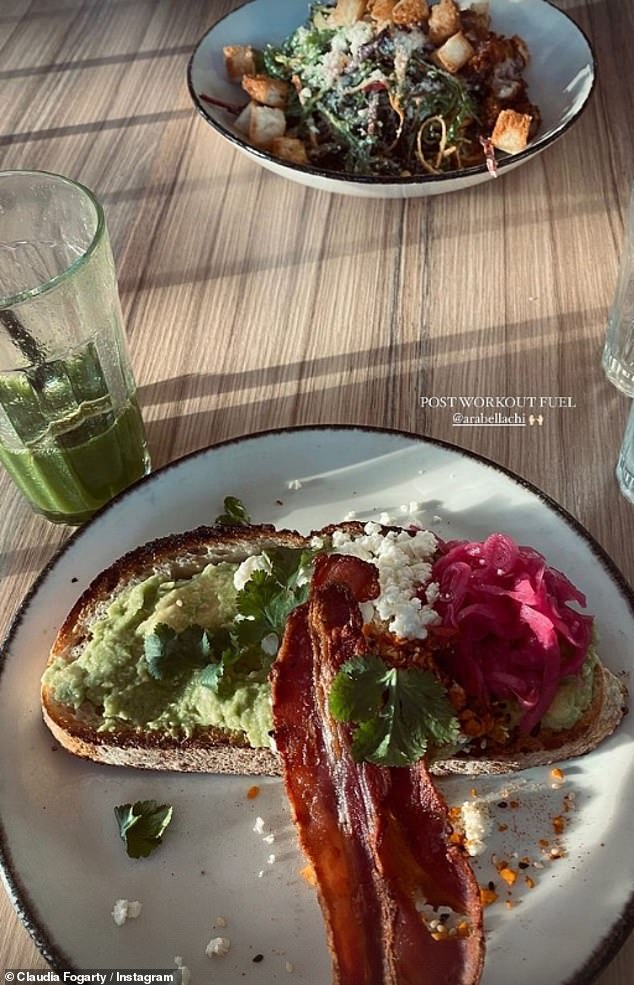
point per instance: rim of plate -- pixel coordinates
(534, 148)
(35, 924)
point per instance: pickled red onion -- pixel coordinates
(517, 635)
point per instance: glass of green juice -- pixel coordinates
(71, 432)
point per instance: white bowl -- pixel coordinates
(560, 78)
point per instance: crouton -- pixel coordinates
(454, 53)
(243, 120)
(289, 149)
(239, 60)
(347, 12)
(444, 21)
(381, 10)
(409, 13)
(263, 89)
(265, 124)
(510, 133)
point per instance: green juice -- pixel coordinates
(76, 449)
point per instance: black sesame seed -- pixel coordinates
(258, 958)
(502, 803)
(491, 885)
(523, 865)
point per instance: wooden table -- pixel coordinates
(252, 302)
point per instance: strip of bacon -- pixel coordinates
(377, 838)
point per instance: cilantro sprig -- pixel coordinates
(263, 606)
(235, 514)
(168, 652)
(142, 826)
(270, 596)
(399, 714)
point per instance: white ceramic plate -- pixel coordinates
(63, 861)
(560, 78)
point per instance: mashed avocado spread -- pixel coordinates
(573, 696)
(112, 672)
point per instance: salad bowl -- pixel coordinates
(560, 77)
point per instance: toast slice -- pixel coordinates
(205, 750)
(84, 730)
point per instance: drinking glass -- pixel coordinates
(618, 352)
(625, 464)
(71, 433)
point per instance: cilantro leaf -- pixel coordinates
(211, 675)
(353, 696)
(263, 606)
(142, 825)
(168, 652)
(235, 514)
(397, 712)
(269, 597)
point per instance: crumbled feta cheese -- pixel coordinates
(258, 827)
(351, 515)
(269, 839)
(124, 909)
(316, 543)
(186, 975)
(270, 644)
(244, 572)
(432, 592)
(271, 859)
(217, 947)
(304, 575)
(404, 565)
(294, 484)
(477, 823)
(385, 519)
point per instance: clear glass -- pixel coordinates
(625, 464)
(618, 352)
(71, 433)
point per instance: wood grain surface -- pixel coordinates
(251, 302)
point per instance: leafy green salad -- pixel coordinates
(379, 97)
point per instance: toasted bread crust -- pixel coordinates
(213, 750)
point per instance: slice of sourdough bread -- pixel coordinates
(176, 557)
(212, 750)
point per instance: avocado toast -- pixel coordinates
(164, 661)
